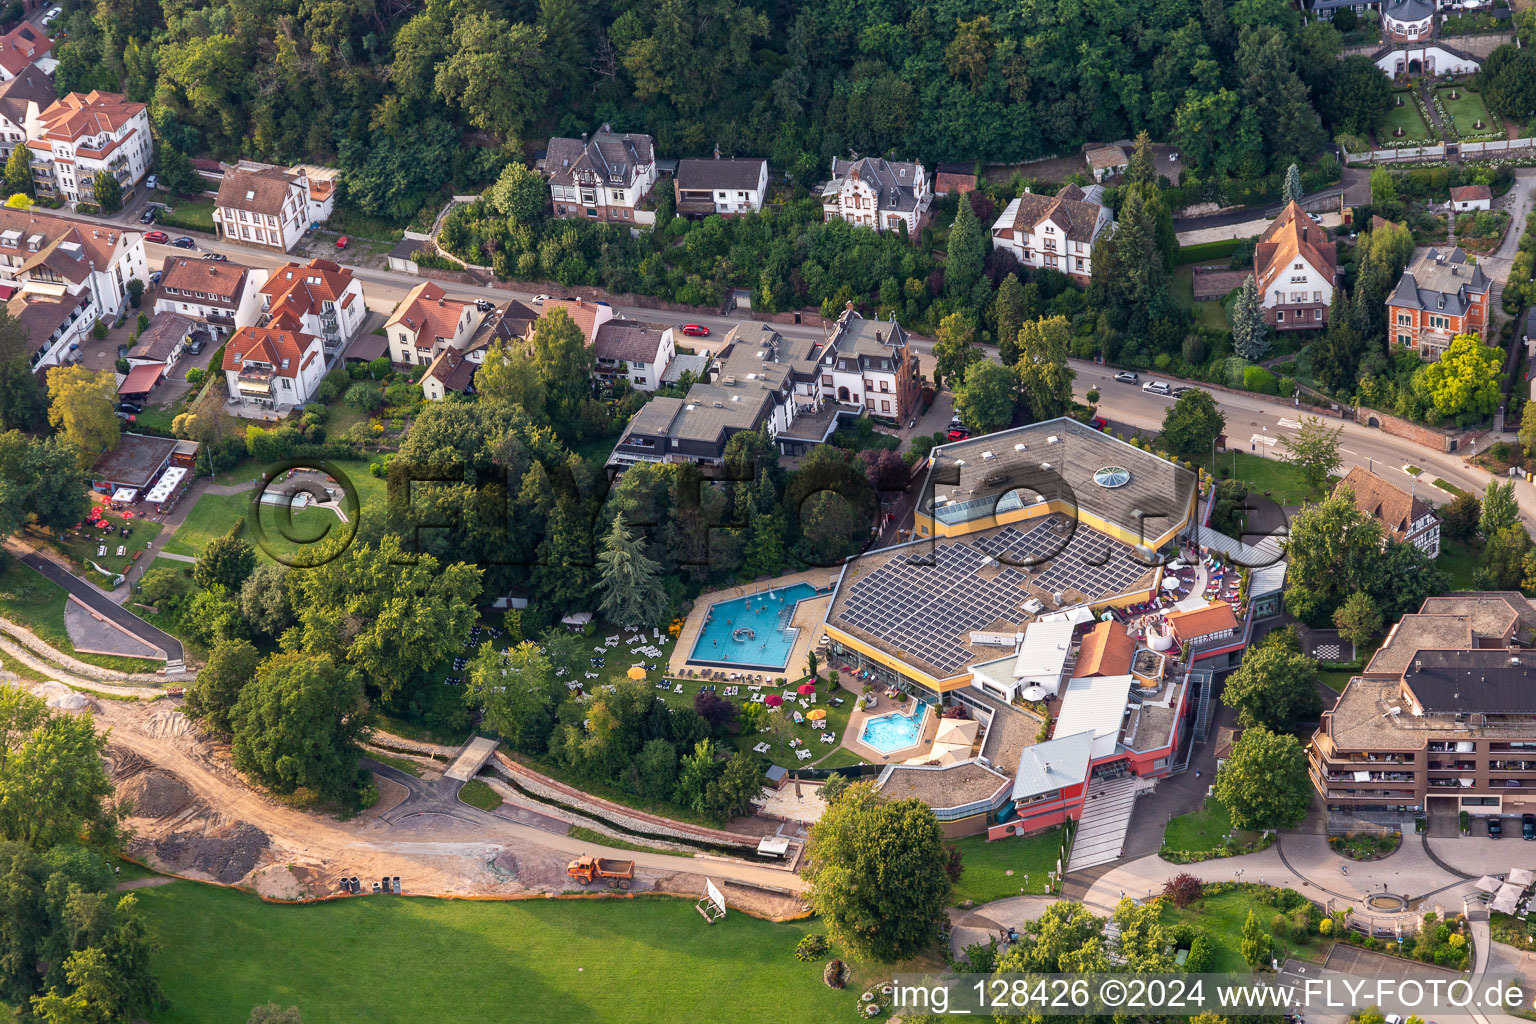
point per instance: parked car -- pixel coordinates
(157, 236)
(538, 300)
(126, 417)
(484, 305)
(343, 242)
(1157, 387)
(696, 330)
(958, 434)
(152, 182)
(1126, 377)
(1099, 423)
(1495, 828)
(184, 242)
(122, 351)
(215, 257)
(52, 15)
(599, 302)
(196, 346)
(155, 276)
(149, 215)
(1528, 826)
(1181, 389)
(129, 407)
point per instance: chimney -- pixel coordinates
(440, 300)
(583, 138)
(1418, 666)
(877, 337)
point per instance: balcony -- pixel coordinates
(1512, 766)
(256, 381)
(1453, 766)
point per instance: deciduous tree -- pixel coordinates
(1264, 783)
(1192, 423)
(1499, 507)
(515, 693)
(1358, 619)
(876, 869)
(1275, 688)
(1044, 376)
(227, 560)
(297, 723)
(53, 786)
(211, 697)
(82, 405)
(1314, 449)
(985, 399)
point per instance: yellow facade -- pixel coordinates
(925, 525)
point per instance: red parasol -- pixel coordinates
(773, 700)
(806, 688)
(127, 513)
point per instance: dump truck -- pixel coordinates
(586, 870)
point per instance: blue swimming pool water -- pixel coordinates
(893, 731)
(752, 631)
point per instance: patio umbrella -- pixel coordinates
(636, 672)
(773, 700)
(1171, 583)
(806, 688)
(1033, 693)
(817, 714)
(127, 513)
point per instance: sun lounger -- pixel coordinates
(678, 688)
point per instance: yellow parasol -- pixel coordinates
(817, 714)
(636, 672)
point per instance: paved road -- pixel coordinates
(103, 605)
(441, 796)
(1254, 424)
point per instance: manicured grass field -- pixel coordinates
(382, 960)
(189, 214)
(1204, 829)
(1222, 917)
(478, 794)
(214, 514)
(37, 603)
(1283, 481)
(1460, 559)
(986, 877)
(1408, 117)
(1465, 111)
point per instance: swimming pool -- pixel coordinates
(894, 730)
(751, 631)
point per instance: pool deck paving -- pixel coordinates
(874, 755)
(809, 616)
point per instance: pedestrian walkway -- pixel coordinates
(1106, 817)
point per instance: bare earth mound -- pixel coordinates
(155, 794)
(224, 855)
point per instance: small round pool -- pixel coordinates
(893, 730)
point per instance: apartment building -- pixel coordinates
(271, 369)
(1440, 295)
(58, 277)
(426, 322)
(267, 207)
(319, 298)
(221, 295)
(629, 349)
(1442, 718)
(83, 135)
(23, 99)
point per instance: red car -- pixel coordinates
(157, 236)
(958, 434)
(696, 330)
(343, 242)
(1099, 423)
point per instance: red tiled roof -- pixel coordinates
(1391, 506)
(582, 312)
(428, 313)
(1192, 625)
(88, 113)
(295, 289)
(1107, 651)
(22, 46)
(265, 345)
(1294, 233)
(141, 379)
(1470, 193)
(222, 281)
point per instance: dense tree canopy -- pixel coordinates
(1264, 783)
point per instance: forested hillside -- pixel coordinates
(409, 98)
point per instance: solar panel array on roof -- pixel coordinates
(927, 604)
(1084, 560)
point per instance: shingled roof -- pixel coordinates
(1072, 210)
(627, 341)
(606, 159)
(728, 173)
(893, 180)
(1294, 234)
(428, 313)
(1391, 506)
(260, 191)
(1439, 282)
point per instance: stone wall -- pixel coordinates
(1429, 437)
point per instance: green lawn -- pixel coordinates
(1448, 487)
(1465, 111)
(189, 215)
(1460, 559)
(1408, 118)
(215, 514)
(1222, 918)
(1265, 474)
(380, 960)
(987, 865)
(30, 600)
(1204, 829)
(87, 542)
